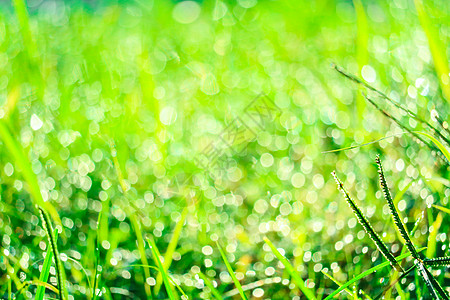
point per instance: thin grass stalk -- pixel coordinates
(155, 253)
(427, 278)
(230, 270)
(47, 225)
(381, 246)
(437, 262)
(394, 213)
(390, 100)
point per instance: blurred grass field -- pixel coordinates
(107, 108)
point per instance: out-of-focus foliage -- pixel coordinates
(154, 83)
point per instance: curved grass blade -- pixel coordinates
(209, 284)
(290, 269)
(381, 246)
(395, 216)
(47, 225)
(437, 143)
(390, 100)
(233, 276)
(45, 272)
(437, 262)
(38, 283)
(365, 144)
(22, 161)
(368, 272)
(166, 280)
(396, 121)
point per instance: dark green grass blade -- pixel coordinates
(381, 246)
(290, 269)
(166, 280)
(395, 282)
(365, 273)
(433, 286)
(436, 262)
(47, 225)
(40, 292)
(395, 216)
(209, 284)
(233, 276)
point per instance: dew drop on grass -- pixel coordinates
(368, 73)
(35, 122)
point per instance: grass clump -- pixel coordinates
(420, 263)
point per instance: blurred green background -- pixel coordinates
(154, 83)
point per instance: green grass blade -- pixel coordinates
(394, 213)
(381, 246)
(157, 260)
(141, 248)
(428, 278)
(437, 49)
(9, 287)
(362, 53)
(432, 236)
(339, 284)
(309, 294)
(365, 273)
(444, 209)
(20, 8)
(392, 284)
(19, 157)
(437, 143)
(97, 258)
(133, 219)
(230, 270)
(48, 228)
(209, 284)
(45, 272)
(168, 256)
